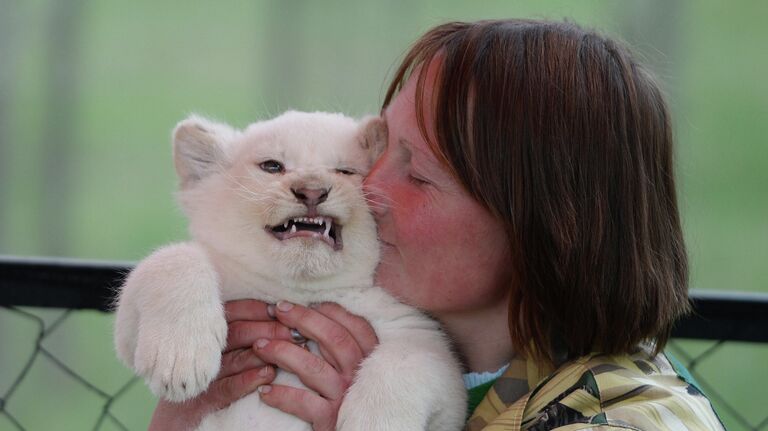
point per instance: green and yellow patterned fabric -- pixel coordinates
(595, 392)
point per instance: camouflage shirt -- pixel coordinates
(595, 392)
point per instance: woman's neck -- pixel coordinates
(480, 336)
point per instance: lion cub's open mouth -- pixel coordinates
(321, 228)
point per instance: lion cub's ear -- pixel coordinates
(373, 136)
(199, 148)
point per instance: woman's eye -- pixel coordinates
(416, 180)
(345, 171)
(272, 167)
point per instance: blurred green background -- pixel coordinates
(90, 90)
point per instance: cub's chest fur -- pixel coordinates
(277, 211)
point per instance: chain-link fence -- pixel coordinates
(41, 355)
(58, 369)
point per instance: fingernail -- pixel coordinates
(261, 342)
(264, 371)
(284, 306)
(271, 311)
(264, 389)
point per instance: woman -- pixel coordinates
(526, 199)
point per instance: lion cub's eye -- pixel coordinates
(345, 171)
(272, 167)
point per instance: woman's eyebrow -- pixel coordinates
(406, 146)
(415, 154)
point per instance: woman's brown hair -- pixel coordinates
(567, 140)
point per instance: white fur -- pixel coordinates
(170, 325)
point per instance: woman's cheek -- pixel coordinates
(407, 213)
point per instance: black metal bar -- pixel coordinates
(60, 283)
(68, 283)
(732, 316)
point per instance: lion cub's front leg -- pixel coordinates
(170, 325)
(410, 382)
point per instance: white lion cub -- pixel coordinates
(277, 212)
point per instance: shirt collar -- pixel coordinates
(521, 377)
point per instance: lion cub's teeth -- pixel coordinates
(285, 225)
(293, 229)
(327, 229)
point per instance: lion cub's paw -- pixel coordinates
(180, 358)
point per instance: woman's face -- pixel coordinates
(441, 250)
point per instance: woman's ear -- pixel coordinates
(199, 148)
(373, 136)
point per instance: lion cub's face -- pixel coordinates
(284, 195)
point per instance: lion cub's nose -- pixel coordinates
(311, 197)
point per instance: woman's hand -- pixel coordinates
(242, 371)
(259, 334)
(344, 341)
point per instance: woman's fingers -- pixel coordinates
(338, 345)
(308, 406)
(246, 309)
(311, 369)
(169, 416)
(361, 330)
(237, 361)
(227, 390)
(343, 338)
(243, 333)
